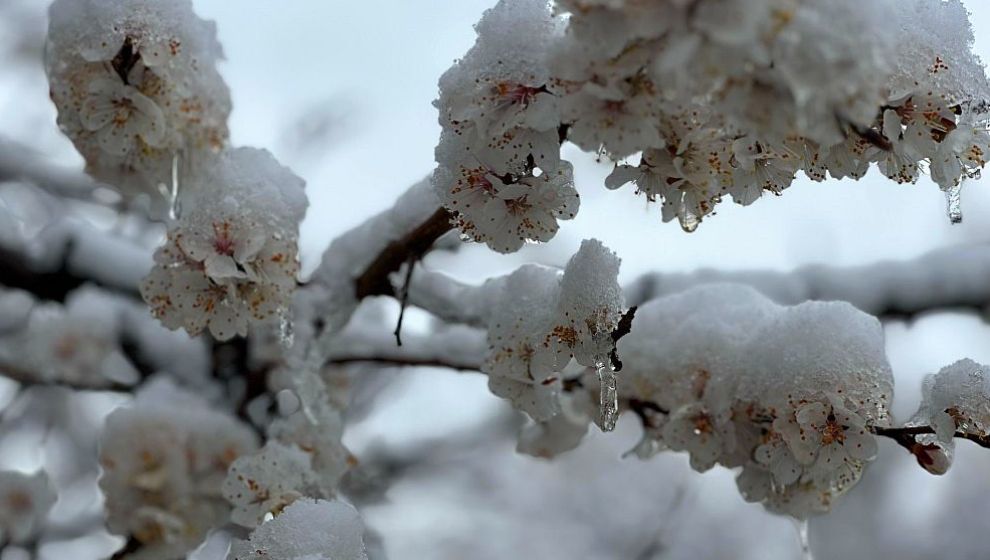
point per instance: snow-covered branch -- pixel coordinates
(70, 253)
(20, 163)
(954, 277)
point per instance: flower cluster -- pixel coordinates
(137, 90)
(25, 500)
(232, 258)
(164, 460)
(499, 169)
(718, 97)
(544, 319)
(306, 530)
(787, 393)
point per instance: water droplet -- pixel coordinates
(954, 203)
(286, 330)
(609, 402)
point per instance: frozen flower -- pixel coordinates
(776, 457)
(507, 213)
(504, 105)
(590, 305)
(520, 364)
(609, 121)
(956, 398)
(703, 434)
(830, 440)
(122, 117)
(561, 433)
(25, 500)
(963, 153)
(759, 168)
(851, 158)
(266, 482)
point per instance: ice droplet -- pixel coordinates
(609, 402)
(802, 528)
(689, 221)
(954, 203)
(288, 402)
(286, 330)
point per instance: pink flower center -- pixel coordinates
(223, 243)
(517, 93)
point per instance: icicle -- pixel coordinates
(173, 196)
(954, 203)
(802, 528)
(286, 330)
(609, 402)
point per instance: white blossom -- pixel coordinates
(25, 500)
(266, 482)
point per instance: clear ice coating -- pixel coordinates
(954, 203)
(609, 411)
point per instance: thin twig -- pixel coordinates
(621, 330)
(404, 299)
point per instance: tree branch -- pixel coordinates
(75, 254)
(53, 285)
(905, 436)
(374, 281)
